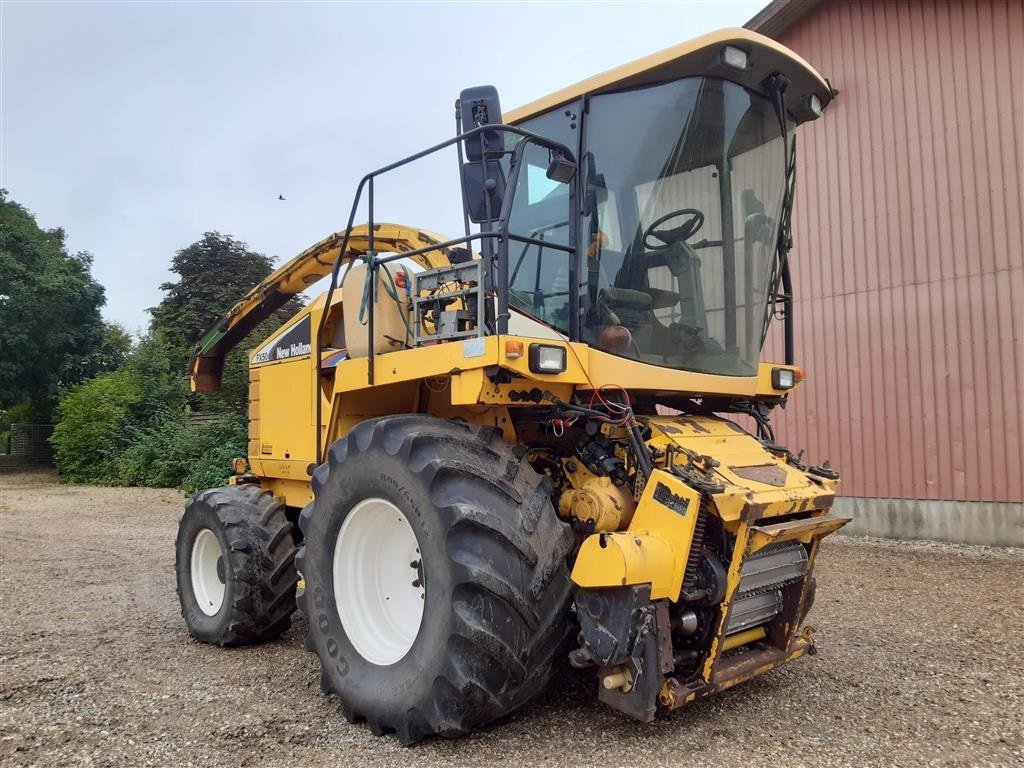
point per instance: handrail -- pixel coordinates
(373, 263)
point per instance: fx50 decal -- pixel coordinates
(293, 342)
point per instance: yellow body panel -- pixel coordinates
(648, 551)
(652, 550)
(757, 483)
(587, 368)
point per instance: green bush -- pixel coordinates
(129, 427)
(92, 426)
(222, 443)
(102, 419)
(110, 432)
(177, 453)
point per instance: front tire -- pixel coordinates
(490, 575)
(235, 566)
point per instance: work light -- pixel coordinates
(783, 378)
(547, 358)
(734, 57)
(815, 105)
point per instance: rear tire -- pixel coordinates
(495, 585)
(235, 566)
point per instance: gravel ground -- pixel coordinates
(920, 663)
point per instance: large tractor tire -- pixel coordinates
(436, 583)
(235, 565)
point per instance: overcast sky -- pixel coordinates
(137, 127)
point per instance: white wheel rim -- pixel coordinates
(207, 581)
(378, 587)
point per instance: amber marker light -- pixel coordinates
(513, 349)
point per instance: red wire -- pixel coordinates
(627, 413)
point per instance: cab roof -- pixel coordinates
(701, 56)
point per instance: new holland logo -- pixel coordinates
(292, 343)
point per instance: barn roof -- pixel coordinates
(779, 15)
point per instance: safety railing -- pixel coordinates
(495, 267)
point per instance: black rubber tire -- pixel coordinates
(260, 577)
(493, 558)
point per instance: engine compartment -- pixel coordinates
(691, 574)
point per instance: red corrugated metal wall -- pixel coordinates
(909, 255)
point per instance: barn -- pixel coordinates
(909, 263)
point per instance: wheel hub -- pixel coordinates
(379, 587)
(208, 575)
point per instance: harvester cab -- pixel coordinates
(548, 437)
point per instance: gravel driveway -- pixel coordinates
(921, 663)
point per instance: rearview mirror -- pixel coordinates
(483, 190)
(477, 107)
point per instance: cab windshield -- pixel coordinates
(682, 187)
(683, 191)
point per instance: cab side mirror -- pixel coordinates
(480, 106)
(483, 180)
(483, 190)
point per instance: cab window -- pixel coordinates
(539, 276)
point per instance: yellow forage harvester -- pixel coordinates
(548, 437)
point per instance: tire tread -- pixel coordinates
(261, 556)
(508, 547)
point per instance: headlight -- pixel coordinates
(547, 358)
(783, 378)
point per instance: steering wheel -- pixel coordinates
(669, 237)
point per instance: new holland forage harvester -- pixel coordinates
(486, 454)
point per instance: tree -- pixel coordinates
(49, 311)
(113, 350)
(214, 273)
(130, 426)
